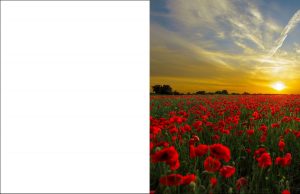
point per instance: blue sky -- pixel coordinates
(237, 45)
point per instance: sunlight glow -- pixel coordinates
(278, 86)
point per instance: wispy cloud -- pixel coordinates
(242, 20)
(290, 26)
(219, 43)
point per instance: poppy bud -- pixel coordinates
(196, 138)
(192, 185)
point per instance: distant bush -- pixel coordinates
(201, 92)
(162, 89)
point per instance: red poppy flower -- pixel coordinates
(227, 171)
(256, 115)
(264, 160)
(288, 158)
(204, 117)
(177, 119)
(263, 138)
(211, 164)
(236, 119)
(174, 164)
(297, 133)
(241, 182)
(284, 161)
(201, 150)
(185, 128)
(220, 151)
(263, 128)
(151, 145)
(192, 151)
(168, 155)
(171, 180)
(248, 150)
(215, 137)
(177, 179)
(250, 132)
(281, 145)
(286, 119)
(259, 152)
(275, 125)
(213, 181)
(285, 192)
(286, 131)
(197, 124)
(187, 179)
(225, 131)
(173, 130)
(174, 138)
(155, 130)
(208, 124)
(165, 154)
(163, 143)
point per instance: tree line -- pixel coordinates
(167, 90)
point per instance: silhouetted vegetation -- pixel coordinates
(167, 90)
(201, 92)
(177, 93)
(210, 93)
(222, 92)
(162, 89)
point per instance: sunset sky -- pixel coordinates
(238, 45)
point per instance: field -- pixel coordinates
(215, 144)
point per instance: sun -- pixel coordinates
(278, 86)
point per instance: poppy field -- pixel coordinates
(215, 144)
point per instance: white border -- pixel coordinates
(75, 96)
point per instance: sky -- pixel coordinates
(238, 45)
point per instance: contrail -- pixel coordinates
(290, 26)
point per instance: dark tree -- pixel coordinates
(162, 89)
(156, 89)
(166, 89)
(176, 93)
(224, 92)
(201, 92)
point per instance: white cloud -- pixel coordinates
(289, 27)
(245, 22)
